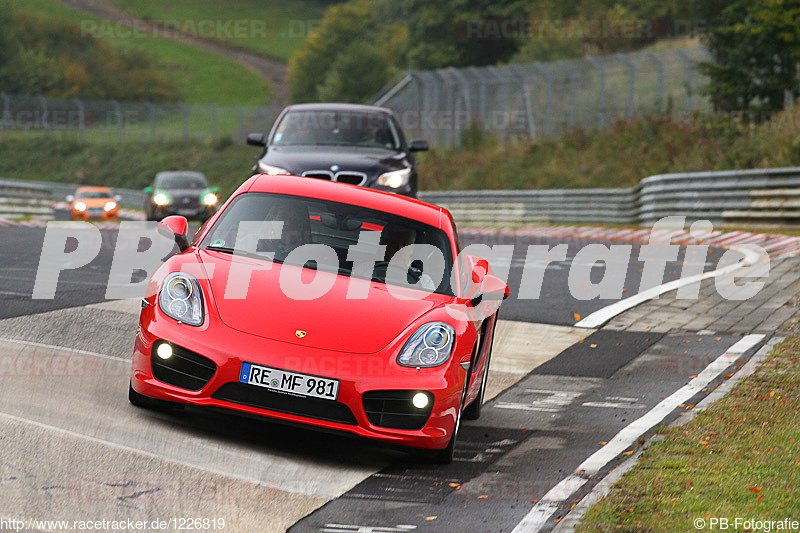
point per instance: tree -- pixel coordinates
(357, 74)
(755, 50)
(8, 44)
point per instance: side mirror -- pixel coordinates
(118, 198)
(493, 288)
(256, 139)
(215, 190)
(148, 190)
(477, 267)
(175, 227)
(418, 146)
(70, 198)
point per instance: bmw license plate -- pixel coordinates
(289, 382)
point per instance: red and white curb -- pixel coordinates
(776, 245)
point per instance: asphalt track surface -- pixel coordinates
(554, 401)
(22, 248)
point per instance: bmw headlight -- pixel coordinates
(110, 206)
(181, 298)
(160, 199)
(430, 345)
(80, 206)
(272, 171)
(395, 179)
(210, 198)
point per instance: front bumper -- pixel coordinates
(94, 215)
(357, 374)
(200, 213)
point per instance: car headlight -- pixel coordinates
(110, 206)
(210, 199)
(430, 345)
(80, 206)
(272, 171)
(395, 179)
(181, 298)
(161, 199)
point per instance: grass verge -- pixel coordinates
(130, 165)
(740, 458)
(201, 76)
(286, 22)
(616, 157)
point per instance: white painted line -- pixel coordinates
(551, 501)
(601, 316)
(604, 486)
(348, 528)
(137, 451)
(552, 402)
(73, 350)
(614, 405)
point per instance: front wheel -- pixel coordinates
(445, 456)
(473, 410)
(139, 400)
(145, 402)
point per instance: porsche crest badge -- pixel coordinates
(299, 333)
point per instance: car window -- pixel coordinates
(337, 128)
(258, 223)
(92, 194)
(181, 181)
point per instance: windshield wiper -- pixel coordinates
(224, 249)
(244, 253)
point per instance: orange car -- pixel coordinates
(93, 202)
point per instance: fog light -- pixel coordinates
(420, 400)
(164, 351)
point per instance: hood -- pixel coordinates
(331, 322)
(181, 193)
(94, 202)
(299, 159)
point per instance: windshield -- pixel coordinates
(93, 194)
(336, 128)
(180, 181)
(349, 240)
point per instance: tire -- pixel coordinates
(139, 400)
(145, 402)
(445, 456)
(473, 410)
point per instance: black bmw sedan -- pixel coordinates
(357, 144)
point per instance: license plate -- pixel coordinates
(287, 382)
(186, 212)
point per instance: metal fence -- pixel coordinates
(112, 121)
(536, 100)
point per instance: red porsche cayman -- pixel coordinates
(323, 304)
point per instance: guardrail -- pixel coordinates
(510, 207)
(759, 196)
(22, 198)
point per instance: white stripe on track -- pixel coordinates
(551, 501)
(601, 316)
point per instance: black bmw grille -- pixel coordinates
(318, 175)
(393, 409)
(261, 398)
(353, 179)
(185, 369)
